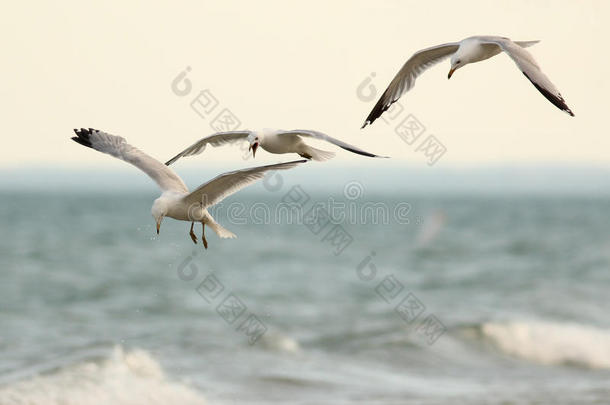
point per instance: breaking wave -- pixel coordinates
(551, 343)
(124, 378)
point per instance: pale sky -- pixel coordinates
(282, 64)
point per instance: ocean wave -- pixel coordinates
(551, 343)
(124, 378)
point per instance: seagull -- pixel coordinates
(176, 201)
(273, 141)
(469, 50)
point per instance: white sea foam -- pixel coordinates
(125, 378)
(551, 343)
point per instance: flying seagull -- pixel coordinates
(469, 50)
(176, 201)
(273, 141)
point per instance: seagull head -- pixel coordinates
(158, 211)
(468, 52)
(254, 140)
(456, 63)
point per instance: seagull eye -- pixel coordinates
(458, 62)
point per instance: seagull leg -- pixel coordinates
(205, 242)
(193, 236)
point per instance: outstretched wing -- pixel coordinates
(324, 137)
(222, 186)
(405, 78)
(117, 146)
(526, 63)
(217, 139)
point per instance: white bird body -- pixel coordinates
(470, 50)
(473, 50)
(279, 141)
(275, 141)
(272, 142)
(175, 208)
(176, 201)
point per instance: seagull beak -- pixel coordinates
(254, 147)
(450, 73)
(158, 226)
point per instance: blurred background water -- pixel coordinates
(510, 293)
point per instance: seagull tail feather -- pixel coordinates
(319, 155)
(220, 231)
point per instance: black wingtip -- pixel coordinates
(81, 141)
(375, 113)
(362, 152)
(83, 136)
(172, 160)
(557, 101)
(379, 156)
(379, 109)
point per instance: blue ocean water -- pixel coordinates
(385, 297)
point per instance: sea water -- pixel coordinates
(383, 298)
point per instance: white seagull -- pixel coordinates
(176, 201)
(469, 50)
(273, 141)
